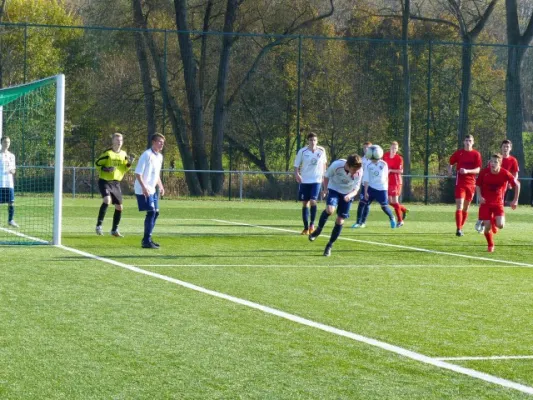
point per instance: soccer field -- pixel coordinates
(238, 305)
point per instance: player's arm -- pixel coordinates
(161, 188)
(450, 170)
(479, 196)
(13, 166)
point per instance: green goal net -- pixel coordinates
(31, 162)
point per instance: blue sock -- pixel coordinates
(313, 214)
(305, 217)
(335, 233)
(323, 219)
(360, 208)
(387, 210)
(10, 212)
(148, 226)
(366, 211)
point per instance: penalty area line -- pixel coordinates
(487, 358)
(326, 328)
(396, 246)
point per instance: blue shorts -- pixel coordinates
(150, 203)
(336, 199)
(381, 196)
(7, 195)
(308, 191)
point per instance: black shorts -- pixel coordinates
(110, 188)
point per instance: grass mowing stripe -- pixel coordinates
(24, 236)
(397, 246)
(326, 328)
(325, 266)
(484, 358)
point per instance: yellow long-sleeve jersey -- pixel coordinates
(112, 166)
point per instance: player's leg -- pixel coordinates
(116, 199)
(485, 215)
(381, 196)
(11, 207)
(147, 204)
(343, 212)
(103, 187)
(360, 208)
(313, 198)
(332, 201)
(303, 196)
(395, 204)
(459, 202)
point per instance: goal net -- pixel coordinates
(32, 117)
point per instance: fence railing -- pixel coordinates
(238, 185)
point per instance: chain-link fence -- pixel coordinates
(255, 114)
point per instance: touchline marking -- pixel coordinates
(397, 246)
(319, 266)
(485, 358)
(326, 328)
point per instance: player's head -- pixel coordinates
(495, 162)
(6, 141)
(468, 142)
(117, 140)
(366, 145)
(158, 141)
(506, 147)
(312, 139)
(354, 163)
(394, 147)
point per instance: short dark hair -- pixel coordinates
(496, 155)
(354, 160)
(311, 135)
(469, 137)
(156, 136)
(5, 138)
(506, 141)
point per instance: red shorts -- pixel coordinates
(395, 190)
(487, 211)
(465, 192)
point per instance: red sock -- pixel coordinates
(488, 236)
(465, 216)
(402, 207)
(459, 219)
(398, 211)
(493, 226)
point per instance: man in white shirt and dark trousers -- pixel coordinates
(309, 168)
(343, 179)
(7, 187)
(147, 178)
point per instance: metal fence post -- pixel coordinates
(73, 182)
(241, 183)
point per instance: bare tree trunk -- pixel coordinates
(192, 89)
(146, 78)
(2, 9)
(219, 117)
(407, 102)
(464, 97)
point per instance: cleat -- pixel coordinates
(13, 224)
(459, 233)
(356, 226)
(327, 251)
(99, 231)
(494, 229)
(490, 249)
(149, 245)
(312, 237)
(399, 224)
(404, 214)
(155, 244)
(393, 223)
(479, 226)
(305, 232)
(312, 228)
(116, 233)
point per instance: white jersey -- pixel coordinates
(7, 164)
(149, 167)
(311, 164)
(365, 162)
(377, 175)
(340, 180)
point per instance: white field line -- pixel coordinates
(484, 358)
(397, 246)
(19, 234)
(326, 328)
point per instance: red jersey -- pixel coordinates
(468, 160)
(510, 164)
(396, 162)
(493, 185)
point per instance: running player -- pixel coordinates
(361, 206)
(490, 186)
(395, 163)
(467, 163)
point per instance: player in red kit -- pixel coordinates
(395, 164)
(490, 187)
(467, 163)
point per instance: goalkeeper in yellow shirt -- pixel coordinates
(112, 164)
